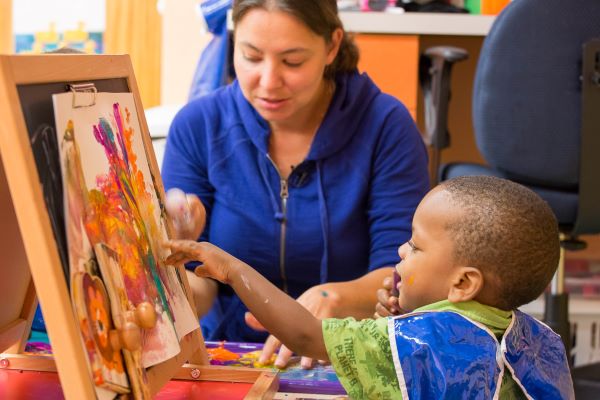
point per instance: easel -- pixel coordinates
(28, 243)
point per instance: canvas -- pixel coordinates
(115, 224)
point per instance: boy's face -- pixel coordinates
(426, 264)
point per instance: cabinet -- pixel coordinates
(390, 46)
(392, 61)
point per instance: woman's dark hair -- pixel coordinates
(320, 16)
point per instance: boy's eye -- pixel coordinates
(412, 246)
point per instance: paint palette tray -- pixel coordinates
(321, 379)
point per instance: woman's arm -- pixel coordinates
(354, 298)
(204, 291)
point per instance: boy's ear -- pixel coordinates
(466, 284)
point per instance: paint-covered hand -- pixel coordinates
(187, 214)
(321, 301)
(216, 263)
(387, 303)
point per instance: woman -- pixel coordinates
(302, 168)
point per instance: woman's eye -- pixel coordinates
(293, 64)
(251, 59)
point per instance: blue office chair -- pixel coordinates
(536, 114)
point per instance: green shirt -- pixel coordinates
(361, 355)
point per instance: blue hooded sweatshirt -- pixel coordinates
(341, 213)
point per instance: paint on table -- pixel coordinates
(293, 379)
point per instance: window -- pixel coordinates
(41, 25)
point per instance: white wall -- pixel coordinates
(183, 34)
(36, 15)
(184, 37)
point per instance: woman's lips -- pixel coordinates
(271, 103)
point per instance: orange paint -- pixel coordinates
(222, 354)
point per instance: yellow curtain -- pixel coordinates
(134, 27)
(6, 33)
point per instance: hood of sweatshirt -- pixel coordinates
(338, 125)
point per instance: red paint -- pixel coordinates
(28, 385)
(33, 385)
(187, 390)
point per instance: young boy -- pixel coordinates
(480, 248)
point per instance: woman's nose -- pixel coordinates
(270, 76)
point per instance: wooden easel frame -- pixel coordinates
(29, 251)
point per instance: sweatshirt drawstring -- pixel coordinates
(324, 224)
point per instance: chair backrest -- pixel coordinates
(527, 93)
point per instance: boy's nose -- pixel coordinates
(403, 250)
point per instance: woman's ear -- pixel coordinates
(466, 284)
(334, 46)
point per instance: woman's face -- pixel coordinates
(279, 64)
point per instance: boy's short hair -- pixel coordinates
(506, 231)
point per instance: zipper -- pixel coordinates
(283, 195)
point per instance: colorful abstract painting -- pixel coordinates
(115, 220)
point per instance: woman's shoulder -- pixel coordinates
(373, 100)
(215, 104)
(212, 112)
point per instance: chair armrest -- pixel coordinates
(435, 72)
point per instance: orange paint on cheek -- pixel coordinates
(410, 280)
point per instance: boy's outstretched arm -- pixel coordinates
(281, 315)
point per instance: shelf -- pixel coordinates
(417, 23)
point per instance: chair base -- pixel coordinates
(586, 380)
(556, 316)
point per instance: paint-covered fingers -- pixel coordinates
(267, 356)
(188, 246)
(253, 323)
(177, 258)
(283, 358)
(217, 263)
(271, 346)
(187, 214)
(306, 363)
(183, 251)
